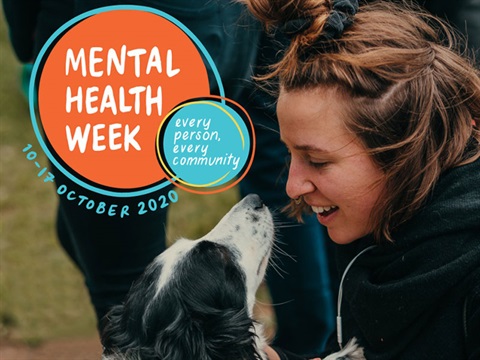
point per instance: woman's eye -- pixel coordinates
(318, 164)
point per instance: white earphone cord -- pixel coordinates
(340, 294)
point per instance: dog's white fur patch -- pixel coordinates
(351, 351)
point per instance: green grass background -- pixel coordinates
(42, 295)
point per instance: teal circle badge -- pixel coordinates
(206, 145)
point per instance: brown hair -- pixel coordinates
(414, 100)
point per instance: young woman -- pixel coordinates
(381, 117)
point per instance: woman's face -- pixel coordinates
(329, 167)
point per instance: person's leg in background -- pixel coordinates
(303, 290)
(110, 251)
(31, 23)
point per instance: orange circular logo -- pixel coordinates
(105, 88)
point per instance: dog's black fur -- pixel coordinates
(200, 314)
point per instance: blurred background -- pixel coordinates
(45, 312)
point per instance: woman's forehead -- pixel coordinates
(311, 110)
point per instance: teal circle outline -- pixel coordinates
(33, 95)
(232, 114)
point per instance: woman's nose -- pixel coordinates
(298, 182)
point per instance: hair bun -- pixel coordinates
(337, 20)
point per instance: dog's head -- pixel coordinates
(195, 300)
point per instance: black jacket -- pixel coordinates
(419, 298)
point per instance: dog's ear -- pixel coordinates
(225, 335)
(122, 330)
(113, 332)
(231, 335)
(181, 339)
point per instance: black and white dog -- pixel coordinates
(195, 301)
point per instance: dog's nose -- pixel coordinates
(254, 201)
